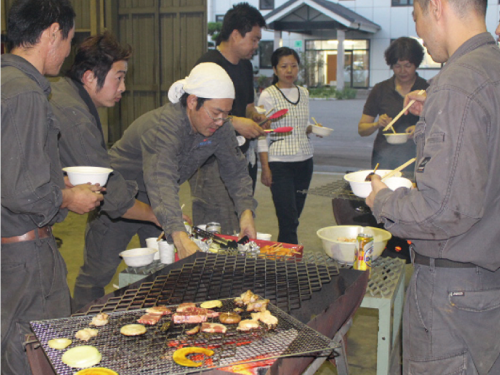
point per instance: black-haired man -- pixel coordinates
(452, 311)
(96, 79)
(34, 196)
(237, 42)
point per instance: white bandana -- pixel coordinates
(206, 80)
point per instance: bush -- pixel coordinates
(327, 92)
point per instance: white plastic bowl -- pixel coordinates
(138, 257)
(359, 186)
(396, 138)
(396, 182)
(343, 252)
(321, 130)
(84, 175)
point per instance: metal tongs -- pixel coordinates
(229, 244)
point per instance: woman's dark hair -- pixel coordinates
(199, 103)
(278, 54)
(242, 17)
(29, 18)
(404, 49)
(98, 53)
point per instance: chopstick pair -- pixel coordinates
(389, 125)
(398, 169)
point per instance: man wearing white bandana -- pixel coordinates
(160, 151)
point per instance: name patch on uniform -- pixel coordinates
(206, 142)
(423, 163)
(457, 294)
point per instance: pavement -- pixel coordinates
(344, 149)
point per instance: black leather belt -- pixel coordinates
(440, 262)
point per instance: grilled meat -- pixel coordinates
(86, 334)
(159, 310)
(150, 319)
(248, 325)
(259, 305)
(213, 328)
(100, 320)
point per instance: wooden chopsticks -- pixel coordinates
(389, 125)
(398, 169)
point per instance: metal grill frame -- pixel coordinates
(218, 276)
(141, 354)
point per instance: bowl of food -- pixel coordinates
(84, 175)
(396, 182)
(138, 257)
(339, 242)
(321, 130)
(359, 186)
(396, 138)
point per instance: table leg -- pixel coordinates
(384, 338)
(398, 307)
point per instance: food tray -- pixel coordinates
(298, 248)
(151, 353)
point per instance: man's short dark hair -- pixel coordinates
(29, 18)
(199, 101)
(462, 7)
(98, 53)
(404, 49)
(242, 17)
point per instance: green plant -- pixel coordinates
(263, 81)
(327, 92)
(214, 29)
(310, 63)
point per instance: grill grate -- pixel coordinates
(151, 353)
(217, 276)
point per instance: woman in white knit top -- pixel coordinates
(287, 159)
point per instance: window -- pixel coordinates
(219, 17)
(427, 62)
(266, 4)
(266, 48)
(402, 3)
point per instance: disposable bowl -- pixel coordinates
(138, 257)
(396, 138)
(342, 251)
(359, 186)
(396, 182)
(84, 175)
(321, 130)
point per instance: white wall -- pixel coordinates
(381, 12)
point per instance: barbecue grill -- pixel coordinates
(302, 288)
(152, 352)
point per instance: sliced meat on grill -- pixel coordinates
(150, 319)
(267, 318)
(259, 305)
(248, 325)
(193, 331)
(189, 317)
(159, 310)
(213, 328)
(185, 306)
(212, 314)
(100, 320)
(192, 310)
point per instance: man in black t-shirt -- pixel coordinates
(238, 40)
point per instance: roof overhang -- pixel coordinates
(303, 16)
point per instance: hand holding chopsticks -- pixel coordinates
(398, 169)
(389, 125)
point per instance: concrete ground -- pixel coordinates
(362, 339)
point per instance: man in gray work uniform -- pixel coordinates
(96, 79)
(34, 196)
(164, 147)
(451, 320)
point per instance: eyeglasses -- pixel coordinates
(222, 120)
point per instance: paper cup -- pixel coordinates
(152, 243)
(264, 236)
(167, 252)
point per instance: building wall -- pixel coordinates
(394, 22)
